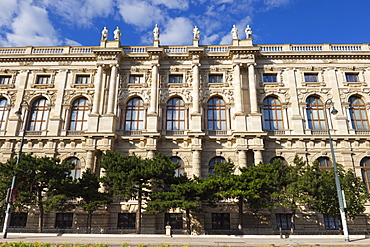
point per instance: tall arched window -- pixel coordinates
(212, 162)
(76, 172)
(272, 114)
(175, 114)
(315, 114)
(3, 113)
(179, 171)
(135, 114)
(216, 114)
(365, 170)
(39, 115)
(357, 112)
(325, 163)
(79, 114)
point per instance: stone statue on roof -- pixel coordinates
(104, 34)
(117, 34)
(234, 32)
(248, 32)
(196, 33)
(156, 32)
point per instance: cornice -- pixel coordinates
(47, 58)
(312, 56)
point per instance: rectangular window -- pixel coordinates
(43, 79)
(284, 221)
(18, 220)
(215, 79)
(174, 220)
(269, 78)
(220, 221)
(331, 222)
(126, 220)
(5, 79)
(136, 79)
(82, 79)
(64, 220)
(351, 77)
(175, 79)
(310, 77)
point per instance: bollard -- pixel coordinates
(168, 230)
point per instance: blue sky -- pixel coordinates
(79, 22)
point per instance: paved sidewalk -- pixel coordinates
(180, 240)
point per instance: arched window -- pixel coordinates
(365, 170)
(325, 163)
(76, 172)
(39, 115)
(179, 171)
(216, 114)
(315, 114)
(79, 114)
(3, 113)
(212, 162)
(272, 114)
(278, 158)
(357, 112)
(175, 114)
(135, 114)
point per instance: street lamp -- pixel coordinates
(337, 181)
(12, 194)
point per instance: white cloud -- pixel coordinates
(210, 39)
(140, 13)
(178, 31)
(80, 13)
(275, 3)
(173, 4)
(31, 27)
(7, 12)
(71, 42)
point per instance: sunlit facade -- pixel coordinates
(199, 104)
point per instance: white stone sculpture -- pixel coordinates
(196, 33)
(248, 32)
(117, 34)
(234, 32)
(156, 32)
(104, 34)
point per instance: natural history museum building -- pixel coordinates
(198, 104)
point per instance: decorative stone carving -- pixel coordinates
(104, 34)
(156, 32)
(117, 34)
(196, 33)
(234, 32)
(248, 32)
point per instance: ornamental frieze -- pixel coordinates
(70, 94)
(51, 95)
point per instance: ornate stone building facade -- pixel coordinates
(199, 103)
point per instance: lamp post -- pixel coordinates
(12, 194)
(337, 181)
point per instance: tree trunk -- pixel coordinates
(188, 221)
(240, 218)
(89, 220)
(292, 222)
(138, 213)
(41, 210)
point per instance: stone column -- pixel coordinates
(196, 88)
(90, 160)
(258, 156)
(252, 89)
(97, 94)
(154, 90)
(237, 89)
(112, 89)
(197, 171)
(242, 158)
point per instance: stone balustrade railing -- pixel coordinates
(314, 48)
(184, 49)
